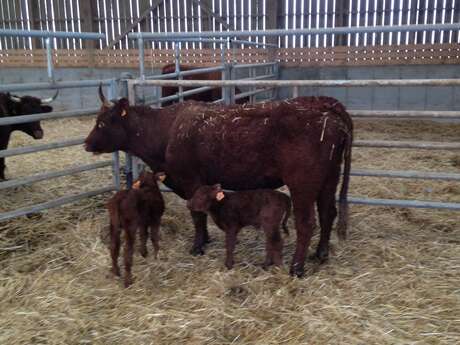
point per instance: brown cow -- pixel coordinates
(138, 208)
(11, 105)
(261, 208)
(206, 96)
(300, 143)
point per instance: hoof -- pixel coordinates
(128, 282)
(197, 250)
(320, 257)
(297, 271)
(229, 265)
(115, 272)
(144, 253)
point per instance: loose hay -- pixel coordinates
(395, 280)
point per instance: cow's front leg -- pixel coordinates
(201, 232)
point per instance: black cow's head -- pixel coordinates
(109, 134)
(28, 105)
(204, 196)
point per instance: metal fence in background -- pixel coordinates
(52, 85)
(116, 18)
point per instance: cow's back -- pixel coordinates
(242, 146)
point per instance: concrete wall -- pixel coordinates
(383, 98)
(416, 98)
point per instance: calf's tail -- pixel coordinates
(286, 217)
(343, 200)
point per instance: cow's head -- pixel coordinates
(109, 134)
(148, 179)
(28, 105)
(204, 196)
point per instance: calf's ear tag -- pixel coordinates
(124, 112)
(220, 196)
(137, 184)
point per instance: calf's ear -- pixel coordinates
(124, 105)
(137, 184)
(220, 195)
(217, 186)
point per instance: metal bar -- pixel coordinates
(291, 83)
(250, 43)
(37, 148)
(49, 59)
(52, 86)
(116, 170)
(201, 70)
(10, 120)
(259, 77)
(54, 174)
(281, 32)
(184, 94)
(54, 203)
(405, 203)
(203, 40)
(55, 34)
(140, 46)
(161, 76)
(250, 93)
(250, 65)
(407, 144)
(423, 175)
(416, 114)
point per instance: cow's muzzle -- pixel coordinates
(38, 134)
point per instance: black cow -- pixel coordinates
(11, 105)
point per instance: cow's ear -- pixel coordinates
(160, 176)
(124, 105)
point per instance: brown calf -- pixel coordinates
(261, 208)
(140, 207)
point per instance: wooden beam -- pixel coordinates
(209, 11)
(88, 13)
(272, 18)
(141, 18)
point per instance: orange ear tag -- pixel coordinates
(220, 196)
(124, 112)
(137, 184)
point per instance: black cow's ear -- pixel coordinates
(123, 104)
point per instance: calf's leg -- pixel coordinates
(130, 231)
(273, 245)
(155, 237)
(115, 247)
(201, 232)
(230, 242)
(143, 233)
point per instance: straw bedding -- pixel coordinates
(396, 280)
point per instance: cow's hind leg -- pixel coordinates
(303, 202)
(327, 211)
(201, 232)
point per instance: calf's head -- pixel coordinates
(110, 132)
(148, 179)
(204, 196)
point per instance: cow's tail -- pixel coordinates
(286, 217)
(343, 196)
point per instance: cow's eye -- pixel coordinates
(101, 125)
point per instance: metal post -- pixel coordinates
(140, 46)
(177, 69)
(49, 58)
(226, 90)
(295, 91)
(252, 74)
(113, 94)
(276, 72)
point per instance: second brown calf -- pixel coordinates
(138, 208)
(262, 208)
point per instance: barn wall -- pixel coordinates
(417, 98)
